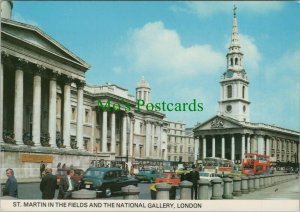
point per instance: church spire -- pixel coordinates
(235, 33)
(234, 55)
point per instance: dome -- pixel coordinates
(143, 84)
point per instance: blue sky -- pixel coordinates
(180, 48)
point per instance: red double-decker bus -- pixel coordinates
(256, 164)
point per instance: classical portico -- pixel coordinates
(32, 71)
(225, 137)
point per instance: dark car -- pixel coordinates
(106, 180)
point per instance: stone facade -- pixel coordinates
(46, 108)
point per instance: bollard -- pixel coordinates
(245, 189)
(131, 192)
(256, 183)
(237, 186)
(251, 184)
(203, 189)
(185, 190)
(216, 189)
(84, 194)
(265, 181)
(163, 191)
(261, 182)
(227, 193)
(272, 180)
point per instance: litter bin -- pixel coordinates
(172, 192)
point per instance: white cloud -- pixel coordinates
(18, 17)
(156, 49)
(252, 56)
(204, 9)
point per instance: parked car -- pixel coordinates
(105, 181)
(208, 175)
(148, 175)
(168, 178)
(60, 173)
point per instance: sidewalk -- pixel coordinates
(24, 180)
(284, 191)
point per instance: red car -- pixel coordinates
(168, 178)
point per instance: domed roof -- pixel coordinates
(143, 84)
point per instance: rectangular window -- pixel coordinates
(87, 116)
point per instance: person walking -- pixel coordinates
(11, 186)
(194, 177)
(48, 184)
(66, 186)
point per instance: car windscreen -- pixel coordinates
(94, 173)
(164, 176)
(204, 174)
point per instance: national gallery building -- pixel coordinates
(49, 113)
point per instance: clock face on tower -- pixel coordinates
(228, 108)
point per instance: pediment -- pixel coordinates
(36, 37)
(219, 122)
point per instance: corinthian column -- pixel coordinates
(130, 150)
(104, 131)
(36, 111)
(124, 135)
(204, 147)
(1, 102)
(148, 138)
(67, 112)
(232, 148)
(18, 110)
(52, 110)
(213, 146)
(80, 86)
(113, 132)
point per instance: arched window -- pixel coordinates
(244, 92)
(236, 61)
(231, 61)
(229, 91)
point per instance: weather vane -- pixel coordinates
(234, 10)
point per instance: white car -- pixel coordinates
(208, 175)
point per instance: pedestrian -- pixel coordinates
(42, 169)
(66, 186)
(11, 186)
(193, 178)
(184, 176)
(48, 184)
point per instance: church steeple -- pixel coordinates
(234, 55)
(234, 100)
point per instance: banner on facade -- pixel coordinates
(36, 158)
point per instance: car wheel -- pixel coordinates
(107, 192)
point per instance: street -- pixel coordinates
(32, 191)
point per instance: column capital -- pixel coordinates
(4, 54)
(66, 80)
(21, 63)
(53, 75)
(80, 84)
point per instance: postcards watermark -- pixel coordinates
(192, 106)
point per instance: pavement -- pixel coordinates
(285, 191)
(24, 180)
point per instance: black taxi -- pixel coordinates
(106, 180)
